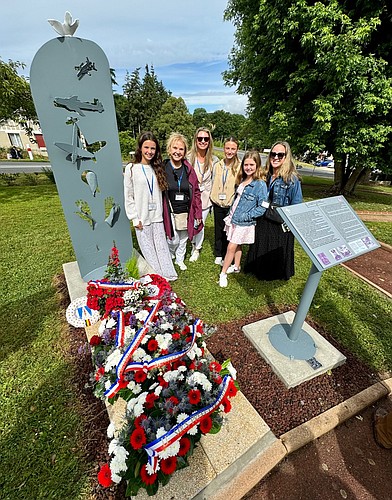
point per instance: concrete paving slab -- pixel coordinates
(292, 372)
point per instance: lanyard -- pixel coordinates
(176, 178)
(225, 172)
(150, 186)
(201, 173)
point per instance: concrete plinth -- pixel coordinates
(292, 372)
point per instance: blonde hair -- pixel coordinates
(259, 173)
(210, 149)
(288, 169)
(174, 137)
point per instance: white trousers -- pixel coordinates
(153, 245)
(197, 240)
(177, 245)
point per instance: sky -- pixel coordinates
(186, 41)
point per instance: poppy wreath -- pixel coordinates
(150, 351)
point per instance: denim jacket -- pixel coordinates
(249, 205)
(284, 194)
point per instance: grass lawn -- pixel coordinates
(39, 422)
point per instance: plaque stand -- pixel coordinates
(293, 341)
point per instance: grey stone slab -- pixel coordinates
(292, 372)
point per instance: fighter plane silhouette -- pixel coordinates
(76, 152)
(74, 104)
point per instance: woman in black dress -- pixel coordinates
(271, 257)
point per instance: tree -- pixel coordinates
(153, 96)
(16, 102)
(132, 91)
(317, 74)
(122, 112)
(173, 117)
(200, 118)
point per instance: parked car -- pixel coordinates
(325, 163)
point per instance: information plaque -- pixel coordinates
(328, 230)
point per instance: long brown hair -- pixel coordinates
(259, 174)
(288, 169)
(209, 153)
(235, 160)
(156, 161)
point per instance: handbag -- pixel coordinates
(271, 213)
(181, 221)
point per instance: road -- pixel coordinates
(13, 167)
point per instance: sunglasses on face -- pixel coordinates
(203, 139)
(279, 155)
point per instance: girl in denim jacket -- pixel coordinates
(249, 203)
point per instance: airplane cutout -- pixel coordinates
(85, 68)
(74, 104)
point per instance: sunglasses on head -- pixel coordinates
(279, 155)
(203, 139)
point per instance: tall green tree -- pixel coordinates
(173, 117)
(132, 89)
(200, 118)
(16, 102)
(153, 96)
(318, 75)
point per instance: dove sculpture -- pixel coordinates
(67, 28)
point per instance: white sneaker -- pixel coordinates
(223, 280)
(195, 255)
(182, 266)
(233, 269)
(219, 261)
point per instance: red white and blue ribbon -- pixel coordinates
(155, 447)
(126, 357)
(120, 330)
(105, 285)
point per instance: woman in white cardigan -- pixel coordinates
(144, 182)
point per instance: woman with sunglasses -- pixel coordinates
(202, 159)
(144, 182)
(271, 257)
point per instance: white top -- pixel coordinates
(140, 203)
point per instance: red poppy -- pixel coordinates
(199, 328)
(138, 438)
(176, 336)
(122, 383)
(152, 345)
(99, 373)
(205, 424)
(226, 405)
(146, 477)
(162, 382)
(173, 400)
(138, 420)
(140, 376)
(168, 465)
(186, 330)
(95, 340)
(232, 389)
(217, 378)
(215, 367)
(185, 444)
(194, 396)
(105, 476)
(150, 400)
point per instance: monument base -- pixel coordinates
(292, 372)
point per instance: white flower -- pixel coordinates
(129, 333)
(160, 432)
(158, 390)
(194, 352)
(181, 417)
(150, 469)
(182, 368)
(139, 354)
(232, 370)
(142, 315)
(174, 306)
(166, 326)
(108, 385)
(145, 339)
(163, 340)
(198, 378)
(171, 375)
(135, 405)
(161, 313)
(192, 431)
(111, 430)
(102, 327)
(115, 477)
(134, 387)
(113, 360)
(170, 451)
(112, 446)
(121, 454)
(111, 323)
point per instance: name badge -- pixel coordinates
(265, 204)
(179, 197)
(152, 206)
(222, 196)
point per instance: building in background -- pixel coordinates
(12, 134)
